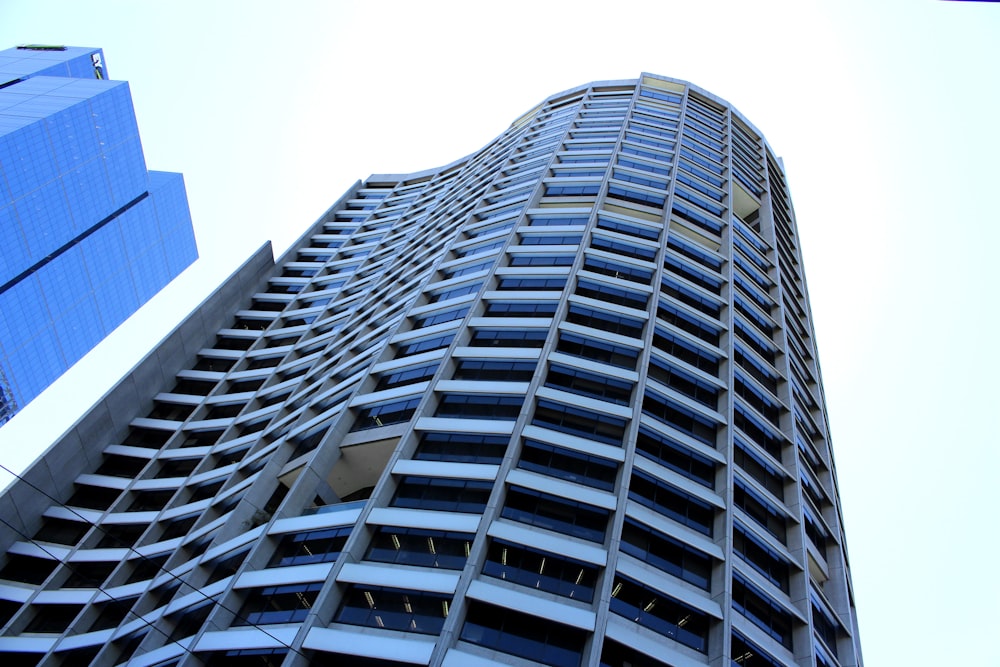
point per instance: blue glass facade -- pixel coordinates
(87, 234)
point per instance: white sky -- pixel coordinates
(884, 112)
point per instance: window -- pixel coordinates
(481, 248)
(702, 203)
(188, 621)
(497, 370)
(247, 657)
(406, 376)
(440, 317)
(666, 553)
(519, 634)
(115, 465)
(120, 535)
(660, 613)
(761, 402)
(599, 319)
(685, 351)
(144, 568)
(531, 338)
(664, 97)
(694, 152)
(683, 382)
(761, 322)
(661, 497)
(93, 497)
(424, 345)
(615, 295)
(520, 309)
(687, 296)
(762, 611)
(656, 184)
(646, 140)
(597, 350)
(193, 387)
(52, 618)
(579, 422)
(479, 406)
(550, 512)
(754, 341)
(758, 509)
(111, 613)
(541, 570)
(758, 433)
(689, 214)
(226, 566)
(702, 279)
(687, 322)
(314, 546)
(572, 190)
(278, 604)
(621, 271)
(442, 494)
(27, 569)
(384, 414)
(824, 623)
(767, 475)
(585, 383)
(551, 239)
(462, 447)
(551, 221)
(531, 284)
(628, 149)
(454, 292)
(201, 437)
(767, 377)
(178, 527)
(677, 457)
(625, 249)
(760, 557)
(61, 531)
(636, 196)
(542, 260)
(614, 654)
(679, 417)
(415, 546)
(747, 654)
(393, 609)
(467, 269)
(88, 574)
(568, 465)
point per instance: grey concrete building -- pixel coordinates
(556, 403)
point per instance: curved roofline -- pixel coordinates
(571, 91)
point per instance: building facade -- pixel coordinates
(555, 403)
(87, 234)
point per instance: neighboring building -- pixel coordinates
(87, 234)
(557, 401)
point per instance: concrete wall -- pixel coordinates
(107, 422)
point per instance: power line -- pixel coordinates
(132, 549)
(99, 588)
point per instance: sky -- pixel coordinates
(885, 114)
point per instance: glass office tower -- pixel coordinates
(555, 403)
(87, 234)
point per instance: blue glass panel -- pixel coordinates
(44, 216)
(70, 160)
(14, 255)
(64, 282)
(79, 329)
(24, 312)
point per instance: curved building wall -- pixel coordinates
(557, 402)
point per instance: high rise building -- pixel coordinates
(555, 403)
(87, 234)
